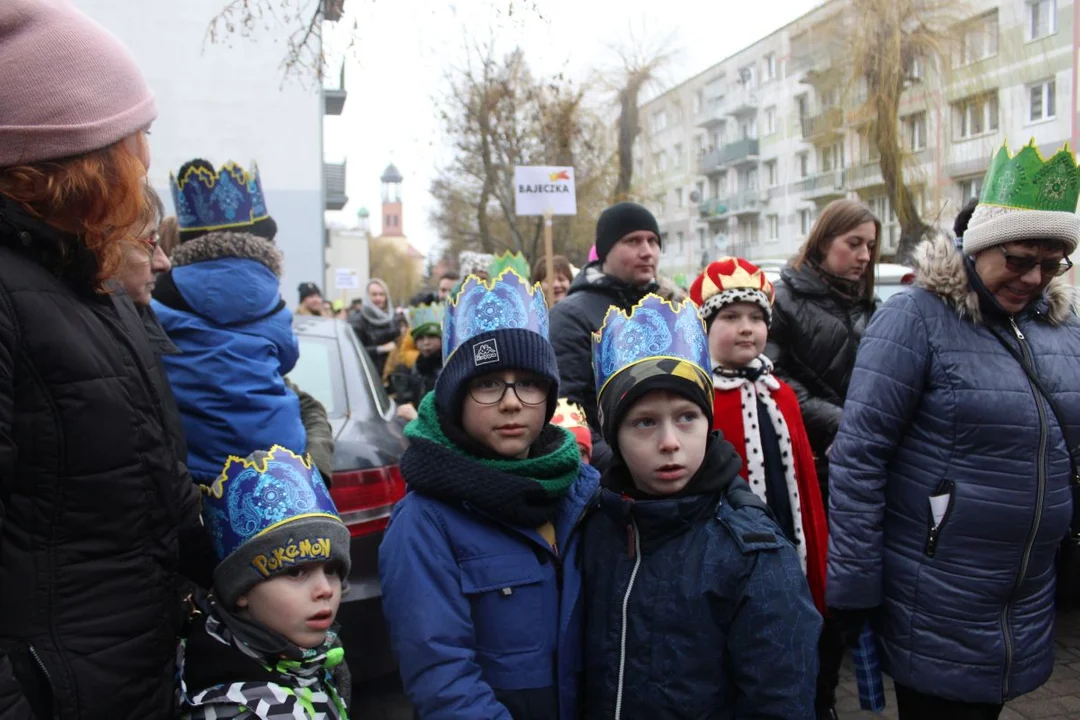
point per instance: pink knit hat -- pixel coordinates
(67, 85)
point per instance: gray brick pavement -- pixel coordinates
(1058, 699)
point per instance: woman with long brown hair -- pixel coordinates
(824, 300)
(93, 497)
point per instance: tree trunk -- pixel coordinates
(628, 130)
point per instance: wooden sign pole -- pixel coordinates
(549, 255)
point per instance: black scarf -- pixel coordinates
(850, 291)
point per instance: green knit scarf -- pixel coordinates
(555, 471)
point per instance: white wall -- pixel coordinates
(230, 103)
(348, 250)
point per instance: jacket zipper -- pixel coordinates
(48, 677)
(1040, 499)
(935, 531)
(636, 553)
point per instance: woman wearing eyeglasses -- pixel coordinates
(950, 474)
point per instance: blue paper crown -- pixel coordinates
(503, 303)
(655, 328)
(429, 314)
(260, 493)
(207, 199)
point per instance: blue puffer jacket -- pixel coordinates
(485, 620)
(937, 407)
(695, 607)
(221, 305)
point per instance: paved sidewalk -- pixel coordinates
(1058, 699)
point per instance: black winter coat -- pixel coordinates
(93, 496)
(573, 321)
(371, 337)
(812, 341)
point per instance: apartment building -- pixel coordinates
(741, 158)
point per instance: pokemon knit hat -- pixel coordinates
(659, 345)
(731, 280)
(572, 417)
(1026, 198)
(489, 325)
(269, 513)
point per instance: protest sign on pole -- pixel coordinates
(346, 279)
(545, 190)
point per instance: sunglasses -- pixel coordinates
(1022, 264)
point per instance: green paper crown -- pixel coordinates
(1027, 182)
(515, 262)
(426, 320)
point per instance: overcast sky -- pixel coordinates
(404, 46)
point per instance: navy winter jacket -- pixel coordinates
(485, 619)
(221, 305)
(938, 407)
(695, 607)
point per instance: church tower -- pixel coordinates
(391, 202)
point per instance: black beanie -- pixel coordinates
(508, 349)
(307, 289)
(620, 220)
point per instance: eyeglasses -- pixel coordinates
(151, 243)
(530, 391)
(1022, 264)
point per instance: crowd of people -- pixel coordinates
(624, 499)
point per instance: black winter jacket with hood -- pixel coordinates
(573, 321)
(812, 341)
(94, 500)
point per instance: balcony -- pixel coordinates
(713, 209)
(746, 202)
(822, 187)
(334, 95)
(334, 178)
(864, 176)
(710, 162)
(740, 152)
(743, 102)
(712, 115)
(825, 125)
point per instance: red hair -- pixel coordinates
(99, 197)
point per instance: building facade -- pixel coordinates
(230, 101)
(741, 158)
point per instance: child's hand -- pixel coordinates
(386, 347)
(406, 412)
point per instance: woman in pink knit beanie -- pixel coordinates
(97, 510)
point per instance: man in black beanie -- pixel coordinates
(628, 250)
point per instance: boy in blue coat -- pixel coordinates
(479, 566)
(221, 305)
(696, 605)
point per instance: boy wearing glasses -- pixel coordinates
(479, 565)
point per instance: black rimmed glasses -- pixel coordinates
(1022, 264)
(529, 391)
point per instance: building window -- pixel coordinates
(979, 39)
(700, 190)
(772, 224)
(915, 130)
(679, 238)
(802, 106)
(659, 120)
(829, 97)
(917, 68)
(832, 157)
(868, 151)
(770, 120)
(701, 238)
(770, 173)
(699, 146)
(749, 181)
(678, 156)
(975, 116)
(746, 76)
(803, 161)
(1041, 18)
(770, 66)
(970, 188)
(699, 101)
(1041, 101)
(748, 129)
(678, 197)
(804, 222)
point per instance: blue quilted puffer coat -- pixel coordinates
(695, 607)
(938, 408)
(221, 305)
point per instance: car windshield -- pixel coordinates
(318, 373)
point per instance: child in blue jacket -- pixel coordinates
(479, 566)
(696, 605)
(221, 305)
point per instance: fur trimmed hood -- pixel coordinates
(218, 245)
(940, 268)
